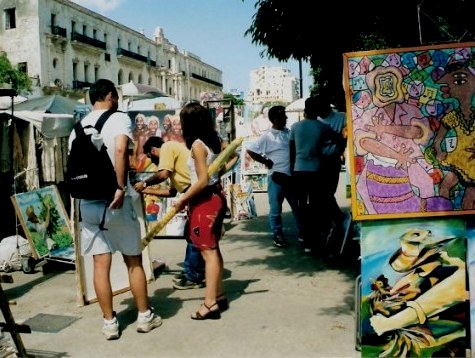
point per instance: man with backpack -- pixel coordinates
(111, 224)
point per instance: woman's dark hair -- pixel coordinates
(100, 89)
(197, 123)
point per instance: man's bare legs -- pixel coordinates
(102, 284)
(137, 281)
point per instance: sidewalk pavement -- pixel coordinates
(282, 303)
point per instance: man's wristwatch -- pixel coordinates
(123, 188)
(144, 184)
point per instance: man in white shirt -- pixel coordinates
(122, 228)
(272, 150)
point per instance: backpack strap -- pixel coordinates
(79, 129)
(102, 119)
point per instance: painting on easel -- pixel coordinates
(45, 222)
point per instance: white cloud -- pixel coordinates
(99, 5)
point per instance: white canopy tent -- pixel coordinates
(6, 102)
(295, 111)
(49, 124)
(158, 103)
(53, 132)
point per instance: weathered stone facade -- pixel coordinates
(66, 47)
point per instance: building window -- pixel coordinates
(84, 29)
(53, 20)
(107, 57)
(55, 62)
(73, 26)
(23, 67)
(75, 71)
(86, 72)
(10, 19)
(94, 34)
(96, 73)
(105, 39)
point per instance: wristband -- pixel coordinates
(144, 183)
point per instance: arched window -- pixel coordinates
(119, 77)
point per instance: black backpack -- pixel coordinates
(90, 173)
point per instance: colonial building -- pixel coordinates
(64, 46)
(271, 84)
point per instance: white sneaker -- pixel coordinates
(111, 330)
(146, 324)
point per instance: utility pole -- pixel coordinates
(300, 77)
(419, 21)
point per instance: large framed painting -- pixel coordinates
(411, 122)
(148, 123)
(45, 222)
(414, 294)
(471, 274)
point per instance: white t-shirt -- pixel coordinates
(274, 144)
(118, 123)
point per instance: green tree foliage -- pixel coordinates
(11, 75)
(321, 32)
(235, 101)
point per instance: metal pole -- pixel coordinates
(419, 22)
(300, 76)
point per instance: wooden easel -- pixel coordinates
(9, 325)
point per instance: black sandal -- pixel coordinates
(210, 314)
(222, 302)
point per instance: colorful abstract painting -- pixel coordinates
(411, 121)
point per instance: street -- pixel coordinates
(282, 303)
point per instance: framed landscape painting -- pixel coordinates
(45, 222)
(411, 122)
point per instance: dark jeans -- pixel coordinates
(313, 198)
(331, 176)
(193, 264)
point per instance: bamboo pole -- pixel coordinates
(214, 167)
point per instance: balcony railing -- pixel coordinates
(130, 54)
(81, 84)
(76, 36)
(207, 80)
(58, 31)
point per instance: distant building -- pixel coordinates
(64, 46)
(270, 84)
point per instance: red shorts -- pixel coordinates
(206, 219)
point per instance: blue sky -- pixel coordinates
(211, 29)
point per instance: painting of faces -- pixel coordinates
(145, 124)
